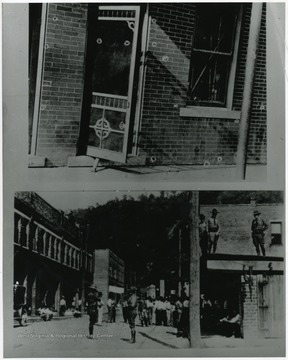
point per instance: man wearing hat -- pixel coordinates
(203, 234)
(92, 310)
(132, 312)
(257, 229)
(213, 231)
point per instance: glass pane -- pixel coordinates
(215, 27)
(113, 57)
(113, 142)
(116, 119)
(210, 76)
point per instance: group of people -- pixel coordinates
(164, 311)
(209, 233)
(219, 317)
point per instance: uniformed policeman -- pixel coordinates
(132, 312)
(213, 231)
(258, 228)
(92, 310)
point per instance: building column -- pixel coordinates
(33, 295)
(58, 297)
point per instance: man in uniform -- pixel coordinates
(92, 310)
(132, 312)
(257, 229)
(213, 231)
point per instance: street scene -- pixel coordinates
(127, 270)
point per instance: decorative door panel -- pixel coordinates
(112, 82)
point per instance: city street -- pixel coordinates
(68, 337)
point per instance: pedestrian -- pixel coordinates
(132, 312)
(203, 235)
(206, 308)
(213, 231)
(111, 305)
(142, 311)
(149, 305)
(184, 321)
(92, 309)
(258, 228)
(168, 308)
(62, 306)
(178, 310)
(100, 305)
(162, 312)
(157, 310)
(125, 308)
(153, 321)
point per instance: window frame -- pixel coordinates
(226, 110)
(280, 222)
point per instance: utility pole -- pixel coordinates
(255, 24)
(179, 261)
(194, 285)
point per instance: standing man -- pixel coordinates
(100, 305)
(92, 301)
(132, 312)
(62, 306)
(213, 231)
(258, 228)
(203, 235)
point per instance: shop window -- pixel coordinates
(214, 53)
(276, 232)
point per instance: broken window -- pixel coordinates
(213, 53)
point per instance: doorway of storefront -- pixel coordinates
(220, 299)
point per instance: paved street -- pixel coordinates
(68, 337)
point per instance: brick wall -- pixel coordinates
(164, 133)
(235, 222)
(101, 273)
(62, 85)
(250, 309)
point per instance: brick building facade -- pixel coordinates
(108, 274)
(48, 255)
(147, 93)
(236, 276)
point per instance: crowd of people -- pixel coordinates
(165, 311)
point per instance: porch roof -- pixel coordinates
(234, 263)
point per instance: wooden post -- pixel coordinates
(179, 262)
(194, 285)
(255, 23)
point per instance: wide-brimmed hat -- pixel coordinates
(93, 287)
(256, 212)
(215, 211)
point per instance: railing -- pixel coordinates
(35, 237)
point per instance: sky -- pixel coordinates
(70, 200)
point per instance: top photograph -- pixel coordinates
(150, 90)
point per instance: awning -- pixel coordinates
(116, 289)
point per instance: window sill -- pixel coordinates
(209, 112)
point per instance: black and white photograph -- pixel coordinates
(158, 270)
(163, 90)
(143, 179)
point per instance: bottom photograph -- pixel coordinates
(190, 273)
